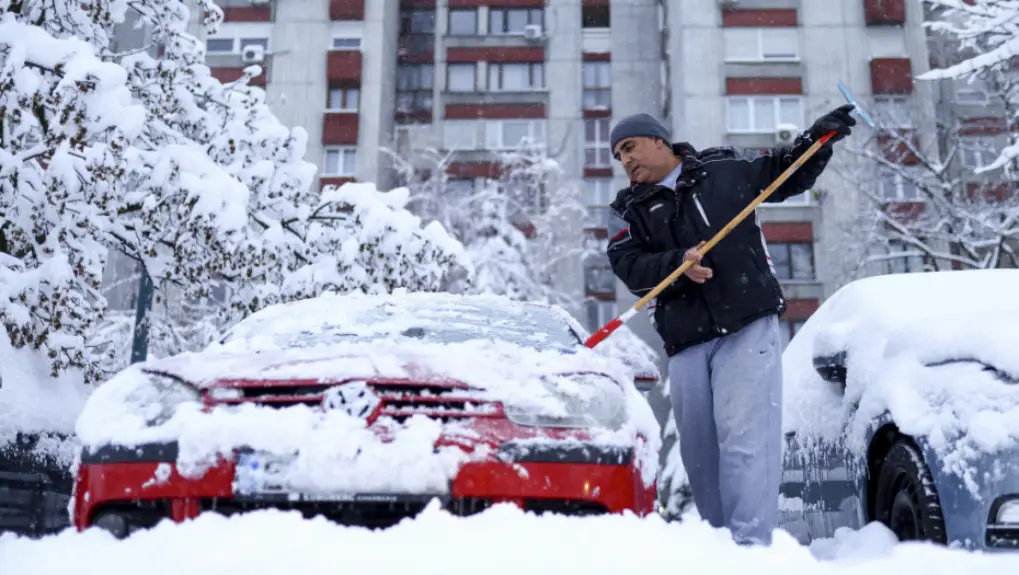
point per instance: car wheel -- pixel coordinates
(906, 500)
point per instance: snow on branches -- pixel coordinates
(984, 40)
(522, 229)
(146, 153)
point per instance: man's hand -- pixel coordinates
(697, 272)
(838, 120)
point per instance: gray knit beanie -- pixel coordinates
(637, 125)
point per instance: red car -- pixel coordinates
(363, 409)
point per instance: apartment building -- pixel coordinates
(477, 76)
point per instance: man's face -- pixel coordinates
(642, 158)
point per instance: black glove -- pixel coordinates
(838, 120)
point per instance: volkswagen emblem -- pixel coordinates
(356, 398)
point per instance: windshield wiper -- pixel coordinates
(984, 366)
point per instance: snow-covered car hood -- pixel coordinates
(542, 379)
(938, 352)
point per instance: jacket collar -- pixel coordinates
(638, 192)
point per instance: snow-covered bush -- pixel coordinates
(146, 153)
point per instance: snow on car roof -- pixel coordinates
(895, 329)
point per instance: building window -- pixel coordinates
(459, 189)
(893, 111)
(517, 77)
(788, 329)
(792, 261)
(219, 45)
(976, 152)
(460, 134)
(345, 44)
(761, 44)
(970, 96)
(763, 114)
(340, 162)
(509, 134)
(596, 143)
(463, 22)
(598, 275)
(597, 197)
(594, 15)
(597, 85)
(899, 258)
(502, 21)
(599, 313)
(897, 185)
(343, 99)
(417, 22)
(415, 77)
(461, 77)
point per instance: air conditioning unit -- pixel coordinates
(253, 54)
(533, 32)
(786, 134)
(259, 2)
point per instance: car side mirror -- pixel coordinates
(645, 373)
(645, 382)
(831, 367)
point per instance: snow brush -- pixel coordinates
(606, 330)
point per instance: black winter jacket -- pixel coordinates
(652, 226)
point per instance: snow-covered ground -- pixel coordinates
(500, 540)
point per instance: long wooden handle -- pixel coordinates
(606, 330)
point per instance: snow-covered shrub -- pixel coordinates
(146, 153)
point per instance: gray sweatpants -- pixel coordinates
(727, 397)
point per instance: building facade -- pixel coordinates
(477, 76)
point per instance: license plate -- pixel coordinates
(261, 474)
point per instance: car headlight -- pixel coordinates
(581, 400)
(160, 398)
(1008, 513)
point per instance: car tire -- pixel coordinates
(906, 500)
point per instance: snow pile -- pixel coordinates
(501, 540)
(893, 328)
(516, 354)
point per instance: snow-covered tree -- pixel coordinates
(983, 40)
(146, 153)
(520, 229)
(920, 202)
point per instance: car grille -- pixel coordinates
(399, 400)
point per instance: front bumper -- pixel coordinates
(128, 489)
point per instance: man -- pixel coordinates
(719, 322)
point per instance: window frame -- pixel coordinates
(534, 70)
(761, 34)
(776, 100)
(900, 186)
(604, 311)
(979, 145)
(341, 150)
(600, 145)
(597, 88)
(334, 48)
(499, 127)
(775, 247)
(504, 11)
(449, 22)
(345, 98)
(473, 124)
(461, 66)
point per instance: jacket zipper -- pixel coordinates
(700, 209)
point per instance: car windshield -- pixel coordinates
(531, 326)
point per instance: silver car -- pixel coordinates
(902, 406)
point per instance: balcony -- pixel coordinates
(346, 9)
(416, 48)
(884, 12)
(597, 41)
(339, 128)
(343, 66)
